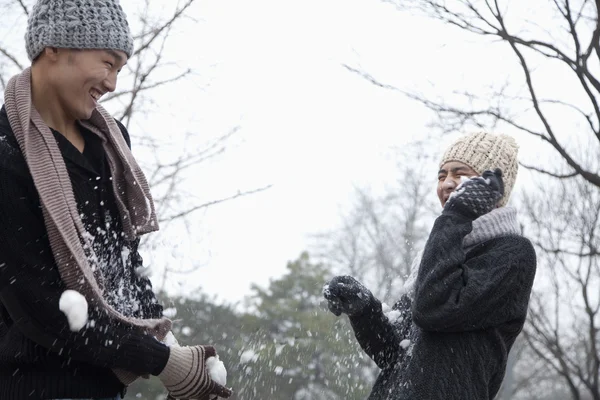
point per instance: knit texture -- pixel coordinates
(40, 358)
(70, 242)
(487, 151)
(477, 196)
(452, 341)
(185, 376)
(497, 223)
(77, 24)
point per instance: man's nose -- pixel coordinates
(110, 83)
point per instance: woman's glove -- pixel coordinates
(477, 196)
(346, 295)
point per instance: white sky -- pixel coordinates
(308, 126)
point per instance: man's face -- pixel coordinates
(449, 178)
(81, 77)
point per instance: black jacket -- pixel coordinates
(452, 341)
(40, 357)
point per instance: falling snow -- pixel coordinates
(248, 356)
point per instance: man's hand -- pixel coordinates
(477, 196)
(186, 377)
(346, 295)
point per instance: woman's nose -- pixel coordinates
(449, 184)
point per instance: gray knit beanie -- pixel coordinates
(77, 24)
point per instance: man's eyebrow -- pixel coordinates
(442, 171)
(116, 55)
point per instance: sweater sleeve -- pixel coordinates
(30, 290)
(378, 336)
(492, 287)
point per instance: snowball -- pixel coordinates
(75, 307)
(385, 308)
(170, 339)
(463, 179)
(458, 191)
(216, 370)
(186, 331)
(170, 312)
(405, 343)
(393, 315)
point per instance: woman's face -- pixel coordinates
(449, 178)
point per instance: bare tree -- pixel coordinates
(382, 233)
(564, 321)
(560, 353)
(572, 43)
(146, 71)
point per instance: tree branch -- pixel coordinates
(156, 33)
(587, 175)
(592, 253)
(545, 172)
(113, 96)
(24, 7)
(371, 79)
(11, 58)
(212, 203)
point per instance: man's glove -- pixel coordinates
(477, 196)
(346, 295)
(186, 377)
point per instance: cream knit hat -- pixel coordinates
(486, 151)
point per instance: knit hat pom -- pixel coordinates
(487, 151)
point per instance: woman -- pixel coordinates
(466, 299)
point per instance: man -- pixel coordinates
(73, 203)
(466, 298)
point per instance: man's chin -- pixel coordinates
(87, 114)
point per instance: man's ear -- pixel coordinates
(52, 53)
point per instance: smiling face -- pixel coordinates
(79, 78)
(449, 177)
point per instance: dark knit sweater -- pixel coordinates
(40, 358)
(451, 342)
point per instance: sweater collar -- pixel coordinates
(499, 222)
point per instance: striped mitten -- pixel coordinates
(186, 377)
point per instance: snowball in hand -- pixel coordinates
(216, 370)
(170, 339)
(75, 307)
